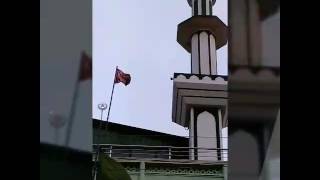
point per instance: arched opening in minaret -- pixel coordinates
(207, 137)
(246, 147)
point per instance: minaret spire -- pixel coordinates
(201, 7)
(200, 98)
(202, 35)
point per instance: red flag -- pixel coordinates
(85, 67)
(122, 77)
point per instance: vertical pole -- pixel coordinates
(72, 112)
(110, 103)
(220, 152)
(102, 108)
(110, 151)
(73, 107)
(142, 170)
(191, 134)
(56, 137)
(225, 172)
(111, 94)
(100, 129)
(100, 126)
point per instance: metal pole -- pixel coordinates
(73, 109)
(142, 170)
(102, 107)
(56, 121)
(191, 134)
(111, 95)
(56, 135)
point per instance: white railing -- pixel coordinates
(161, 152)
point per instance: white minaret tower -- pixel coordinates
(200, 98)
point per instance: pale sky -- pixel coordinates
(139, 36)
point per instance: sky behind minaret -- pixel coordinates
(139, 36)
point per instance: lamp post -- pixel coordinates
(57, 121)
(101, 107)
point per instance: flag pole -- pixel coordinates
(111, 95)
(74, 101)
(73, 109)
(100, 126)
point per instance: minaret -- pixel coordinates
(200, 98)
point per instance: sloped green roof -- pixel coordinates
(111, 170)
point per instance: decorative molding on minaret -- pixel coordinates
(255, 70)
(255, 75)
(195, 24)
(200, 76)
(195, 92)
(206, 79)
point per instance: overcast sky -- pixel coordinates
(139, 36)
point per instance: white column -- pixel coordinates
(204, 53)
(195, 54)
(255, 33)
(142, 170)
(207, 7)
(225, 172)
(238, 41)
(192, 8)
(213, 56)
(199, 7)
(191, 134)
